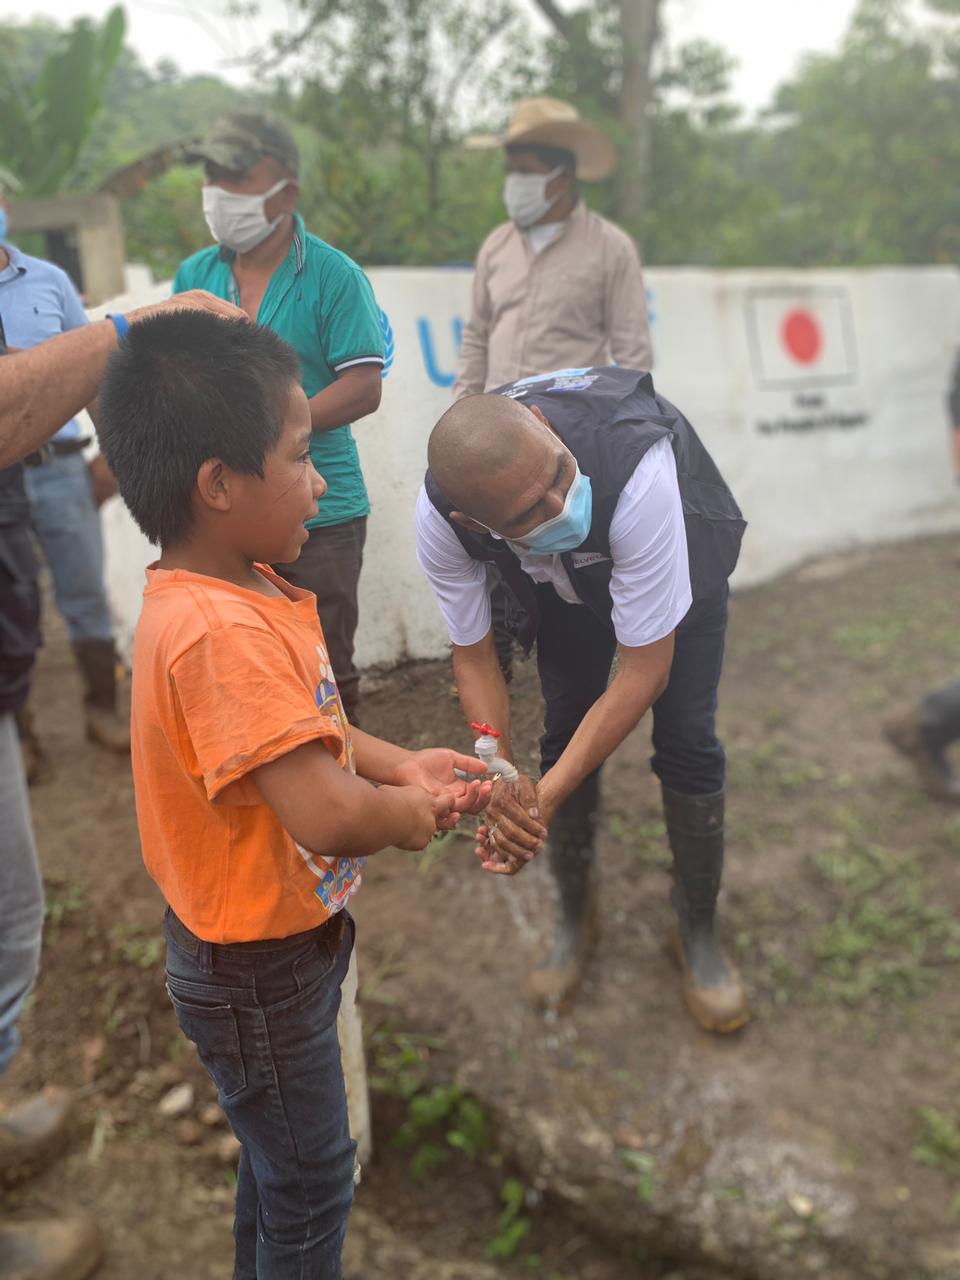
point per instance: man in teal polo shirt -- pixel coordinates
(320, 301)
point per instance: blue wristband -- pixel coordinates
(122, 326)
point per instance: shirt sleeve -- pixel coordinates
(349, 322)
(243, 704)
(628, 324)
(73, 316)
(650, 583)
(472, 368)
(459, 582)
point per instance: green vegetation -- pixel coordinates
(442, 1120)
(938, 1142)
(852, 163)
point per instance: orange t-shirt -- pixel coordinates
(226, 680)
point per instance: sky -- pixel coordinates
(766, 37)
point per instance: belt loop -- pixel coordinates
(205, 956)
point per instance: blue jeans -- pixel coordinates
(574, 655)
(67, 523)
(263, 1016)
(21, 892)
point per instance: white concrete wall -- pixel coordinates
(831, 434)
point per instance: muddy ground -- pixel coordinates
(842, 906)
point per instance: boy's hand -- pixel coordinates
(421, 814)
(513, 832)
(433, 770)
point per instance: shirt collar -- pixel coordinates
(17, 265)
(294, 254)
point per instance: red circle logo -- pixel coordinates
(801, 335)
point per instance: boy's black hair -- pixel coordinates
(182, 387)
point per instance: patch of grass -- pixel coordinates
(644, 1166)
(62, 899)
(139, 946)
(512, 1225)
(938, 1142)
(889, 938)
(400, 1062)
(770, 766)
(644, 840)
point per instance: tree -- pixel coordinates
(864, 147)
(45, 121)
(607, 58)
(387, 91)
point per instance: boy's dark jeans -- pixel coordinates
(263, 1016)
(574, 654)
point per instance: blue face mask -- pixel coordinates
(566, 531)
(3, 223)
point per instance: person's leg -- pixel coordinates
(329, 566)
(263, 1017)
(34, 1132)
(21, 892)
(690, 763)
(67, 524)
(574, 654)
(923, 732)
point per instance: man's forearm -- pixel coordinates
(45, 387)
(354, 395)
(482, 690)
(615, 714)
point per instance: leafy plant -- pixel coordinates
(45, 122)
(938, 1144)
(512, 1225)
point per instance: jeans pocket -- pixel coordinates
(213, 1029)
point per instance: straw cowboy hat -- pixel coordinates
(549, 122)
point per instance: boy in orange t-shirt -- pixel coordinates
(254, 796)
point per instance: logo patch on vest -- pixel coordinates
(583, 559)
(579, 383)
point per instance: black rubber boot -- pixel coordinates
(554, 984)
(97, 660)
(712, 987)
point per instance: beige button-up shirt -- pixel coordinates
(581, 301)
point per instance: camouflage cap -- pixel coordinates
(241, 138)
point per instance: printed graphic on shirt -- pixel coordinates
(339, 877)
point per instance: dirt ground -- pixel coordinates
(842, 903)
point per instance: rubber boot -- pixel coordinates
(36, 762)
(712, 987)
(553, 985)
(49, 1249)
(922, 733)
(33, 1134)
(98, 665)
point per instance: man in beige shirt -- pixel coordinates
(557, 286)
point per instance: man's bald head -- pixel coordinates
(499, 463)
(477, 441)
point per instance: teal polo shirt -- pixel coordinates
(320, 302)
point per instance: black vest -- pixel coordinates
(608, 418)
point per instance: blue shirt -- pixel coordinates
(320, 301)
(38, 301)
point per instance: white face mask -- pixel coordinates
(237, 221)
(524, 195)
